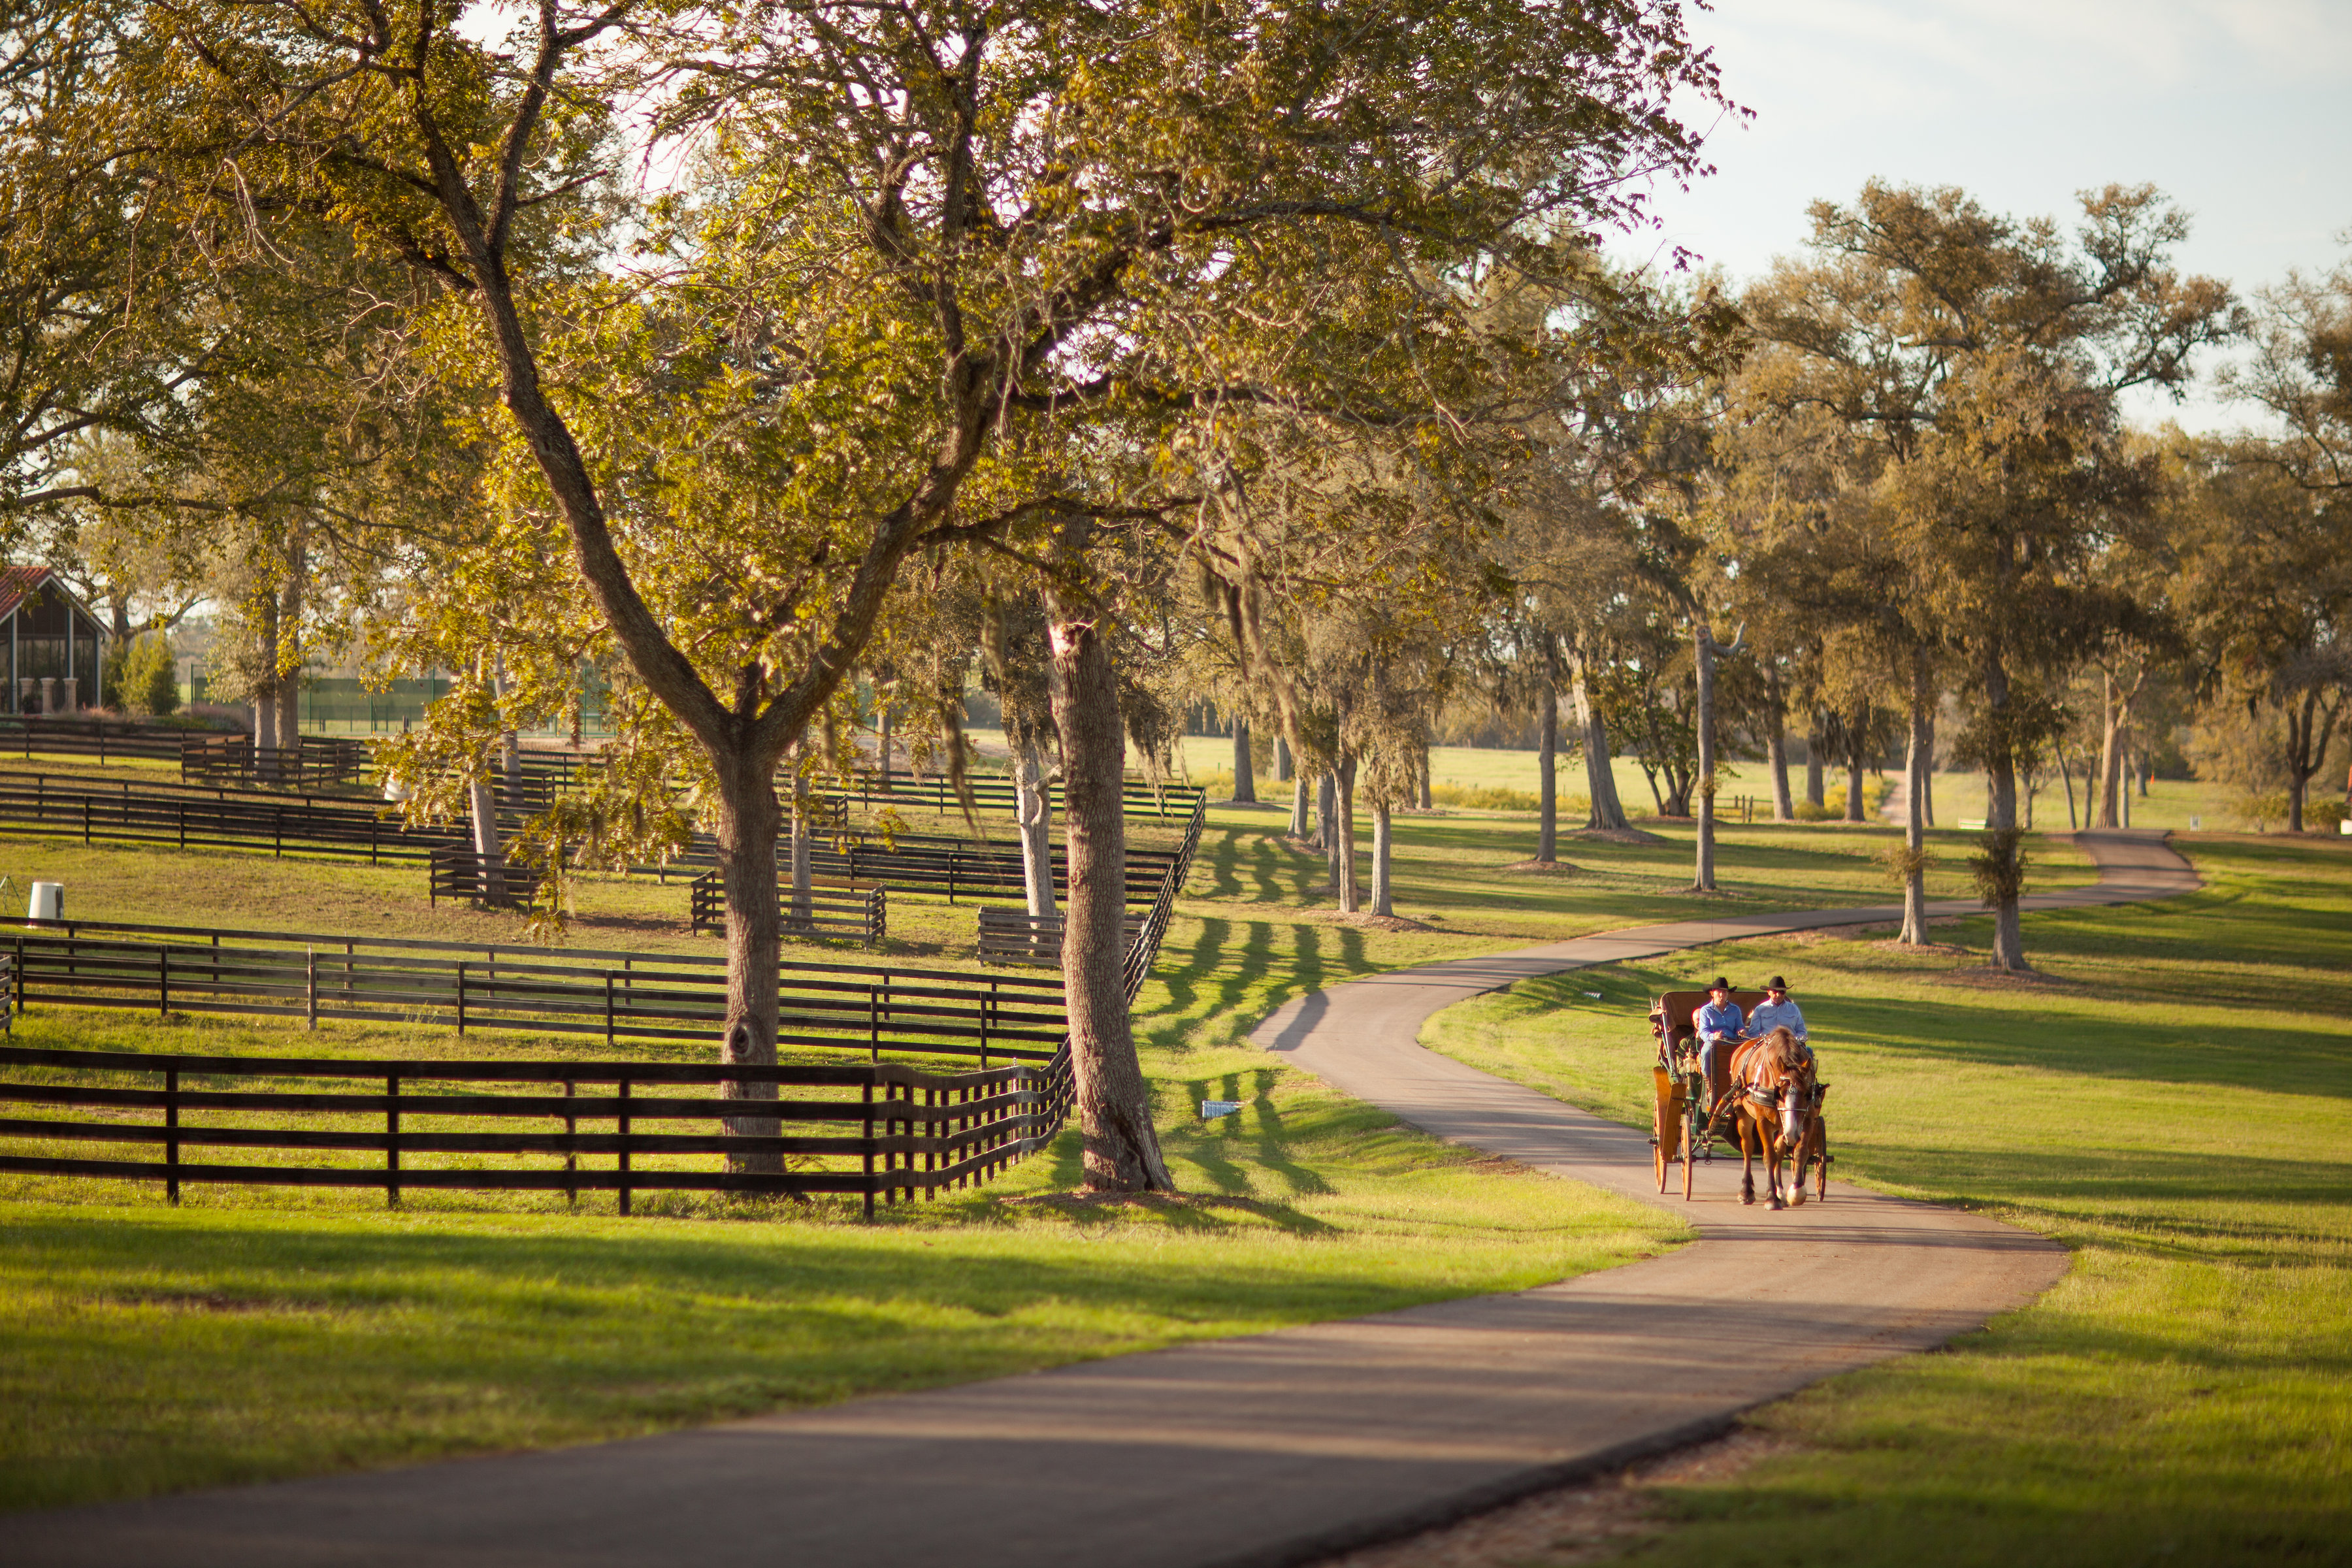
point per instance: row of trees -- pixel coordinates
(780, 364)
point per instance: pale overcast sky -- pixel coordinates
(2241, 112)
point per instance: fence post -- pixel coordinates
(183, 824)
(461, 998)
(392, 1141)
(869, 1148)
(311, 983)
(571, 1152)
(172, 1130)
(163, 982)
(608, 1008)
(84, 822)
(624, 1125)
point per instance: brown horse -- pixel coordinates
(1772, 1109)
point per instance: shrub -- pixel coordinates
(148, 678)
(2260, 810)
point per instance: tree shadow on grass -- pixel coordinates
(1258, 1133)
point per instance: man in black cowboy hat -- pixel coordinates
(1777, 1012)
(1717, 1022)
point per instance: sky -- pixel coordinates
(2241, 113)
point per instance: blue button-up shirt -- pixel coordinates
(1770, 1016)
(1713, 1020)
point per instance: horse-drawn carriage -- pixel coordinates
(1769, 1108)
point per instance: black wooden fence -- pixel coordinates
(458, 871)
(200, 819)
(882, 1129)
(845, 911)
(107, 741)
(995, 792)
(539, 990)
(185, 817)
(1016, 936)
(318, 760)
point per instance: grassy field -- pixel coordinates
(248, 1335)
(2173, 1101)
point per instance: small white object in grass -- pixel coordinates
(1213, 1109)
(1594, 995)
(2195, 823)
(48, 902)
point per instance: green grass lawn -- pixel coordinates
(2175, 1104)
(252, 1334)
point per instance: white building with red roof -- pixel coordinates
(53, 645)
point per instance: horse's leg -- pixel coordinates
(1770, 1139)
(1747, 1156)
(1797, 1181)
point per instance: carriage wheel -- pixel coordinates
(1658, 1147)
(1822, 1169)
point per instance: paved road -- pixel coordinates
(1274, 1449)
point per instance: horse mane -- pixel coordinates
(1781, 1046)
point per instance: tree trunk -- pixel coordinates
(490, 854)
(2001, 822)
(1121, 1147)
(265, 697)
(2066, 782)
(2111, 751)
(1547, 778)
(1327, 811)
(1420, 778)
(287, 655)
(882, 750)
(1703, 648)
(1034, 809)
(749, 818)
(1599, 777)
(1343, 845)
(1915, 814)
(1299, 824)
(1383, 902)
(1928, 775)
(1776, 744)
(510, 742)
(1853, 764)
(803, 890)
(1281, 760)
(1245, 775)
(1817, 792)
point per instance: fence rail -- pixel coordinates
(167, 970)
(197, 818)
(995, 792)
(1016, 936)
(236, 759)
(1144, 950)
(91, 738)
(859, 913)
(458, 871)
(883, 1130)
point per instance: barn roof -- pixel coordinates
(18, 583)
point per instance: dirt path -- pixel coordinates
(1273, 1449)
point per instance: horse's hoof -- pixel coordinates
(1748, 1198)
(1796, 1200)
(1777, 1203)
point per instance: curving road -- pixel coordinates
(1274, 1449)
